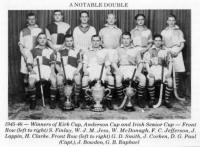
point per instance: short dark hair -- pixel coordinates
(140, 14)
(30, 14)
(95, 36)
(58, 11)
(156, 36)
(68, 36)
(126, 33)
(171, 15)
(84, 12)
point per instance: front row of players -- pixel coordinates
(72, 72)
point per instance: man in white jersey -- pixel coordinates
(141, 35)
(83, 33)
(110, 33)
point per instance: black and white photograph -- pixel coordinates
(99, 73)
(99, 64)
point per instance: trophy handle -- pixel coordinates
(124, 91)
(86, 92)
(109, 92)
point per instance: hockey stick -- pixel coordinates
(126, 96)
(62, 63)
(41, 88)
(161, 89)
(174, 85)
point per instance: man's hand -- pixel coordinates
(30, 68)
(174, 54)
(76, 72)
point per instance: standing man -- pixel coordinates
(46, 58)
(156, 57)
(57, 30)
(72, 65)
(174, 41)
(83, 33)
(141, 35)
(110, 34)
(27, 42)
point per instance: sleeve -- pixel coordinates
(29, 56)
(75, 36)
(94, 31)
(69, 31)
(21, 39)
(181, 36)
(150, 40)
(101, 34)
(48, 34)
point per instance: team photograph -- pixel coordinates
(99, 64)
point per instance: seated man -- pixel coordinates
(93, 59)
(71, 71)
(128, 59)
(45, 56)
(157, 57)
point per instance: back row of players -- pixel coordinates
(85, 52)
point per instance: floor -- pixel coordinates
(21, 111)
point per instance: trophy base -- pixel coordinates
(68, 107)
(129, 109)
(98, 109)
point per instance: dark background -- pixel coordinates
(155, 20)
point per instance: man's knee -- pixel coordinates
(77, 79)
(85, 80)
(142, 80)
(31, 82)
(53, 81)
(59, 79)
(110, 80)
(151, 80)
(169, 82)
(118, 80)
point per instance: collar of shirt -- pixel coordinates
(84, 29)
(67, 48)
(138, 29)
(129, 47)
(111, 26)
(42, 48)
(92, 49)
(176, 27)
(35, 26)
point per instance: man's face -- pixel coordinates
(42, 39)
(57, 16)
(126, 40)
(111, 19)
(69, 42)
(171, 21)
(158, 42)
(96, 42)
(140, 20)
(31, 20)
(84, 18)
